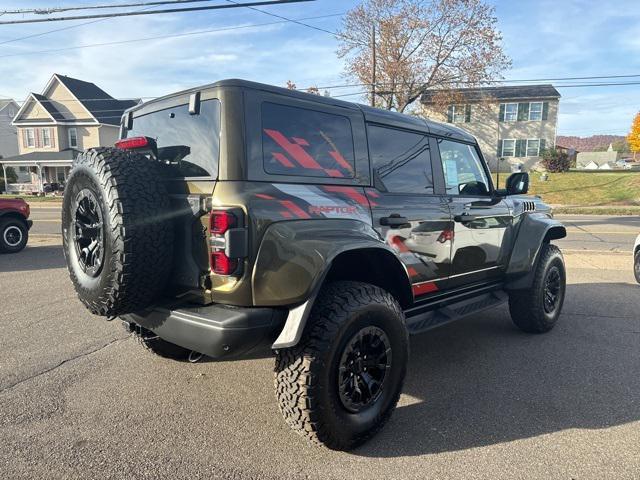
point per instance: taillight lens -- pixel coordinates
(132, 143)
(221, 264)
(221, 221)
(446, 235)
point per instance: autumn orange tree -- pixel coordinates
(634, 136)
(420, 45)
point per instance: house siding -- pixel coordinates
(8, 133)
(484, 124)
(64, 102)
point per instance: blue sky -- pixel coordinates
(561, 38)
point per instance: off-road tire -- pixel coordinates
(636, 265)
(156, 345)
(306, 376)
(8, 227)
(527, 306)
(132, 199)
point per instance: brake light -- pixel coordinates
(221, 264)
(446, 235)
(221, 221)
(132, 143)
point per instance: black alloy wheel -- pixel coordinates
(363, 368)
(552, 287)
(89, 233)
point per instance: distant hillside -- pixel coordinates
(593, 143)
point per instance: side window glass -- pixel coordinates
(401, 160)
(297, 141)
(463, 170)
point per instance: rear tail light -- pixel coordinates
(220, 221)
(446, 235)
(221, 264)
(228, 240)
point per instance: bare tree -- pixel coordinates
(420, 45)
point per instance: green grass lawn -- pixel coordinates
(34, 198)
(615, 193)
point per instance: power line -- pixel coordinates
(69, 27)
(158, 37)
(153, 12)
(50, 10)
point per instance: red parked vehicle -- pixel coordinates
(14, 224)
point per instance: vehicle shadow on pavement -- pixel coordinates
(482, 382)
(33, 258)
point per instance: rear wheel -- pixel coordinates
(536, 310)
(13, 235)
(341, 383)
(636, 265)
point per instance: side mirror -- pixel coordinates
(517, 183)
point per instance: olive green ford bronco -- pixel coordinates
(239, 215)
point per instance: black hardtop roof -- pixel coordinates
(371, 114)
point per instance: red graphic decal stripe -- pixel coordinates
(282, 159)
(286, 214)
(412, 271)
(293, 149)
(350, 192)
(340, 160)
(293, 208)
(265, 196)
(422, 288)
(398, 242)
(334, 173)
(300, 141)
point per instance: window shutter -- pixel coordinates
(52, 136)
(523, 111)
(542, 145)
(467, 113)
(450, 114)
(545, 110)
(25, 143)
(501, 115)
(499, 148)
(37, 135)
(521, 148)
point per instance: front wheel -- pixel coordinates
(636, 265)
(341, 383)
(13, 235)
(536, 310)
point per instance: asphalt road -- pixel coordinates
(79, 399)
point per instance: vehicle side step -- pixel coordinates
(454, 311)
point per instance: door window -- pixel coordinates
(464, 174)
(401, 160)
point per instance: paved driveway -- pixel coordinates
(79, 399)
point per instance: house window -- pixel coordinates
(46, 137)
(510, 112)
(73, 137)
(459, 114)
(508, 148)
(535, 111)
(31, 137)
(533, 147)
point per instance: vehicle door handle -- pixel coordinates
(395, 221)
(465, 217)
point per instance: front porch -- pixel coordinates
(39, 172)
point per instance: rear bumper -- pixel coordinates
(214, 330)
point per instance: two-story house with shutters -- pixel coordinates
(8, 143)
(69, 116)
(512, 123)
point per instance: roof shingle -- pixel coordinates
(512, 92)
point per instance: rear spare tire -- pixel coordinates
(116, 230)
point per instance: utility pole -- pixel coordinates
(373, 75)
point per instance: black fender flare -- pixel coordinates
(535, 229)
(295, 258)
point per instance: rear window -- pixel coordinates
(297, 141)
(189, 143)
